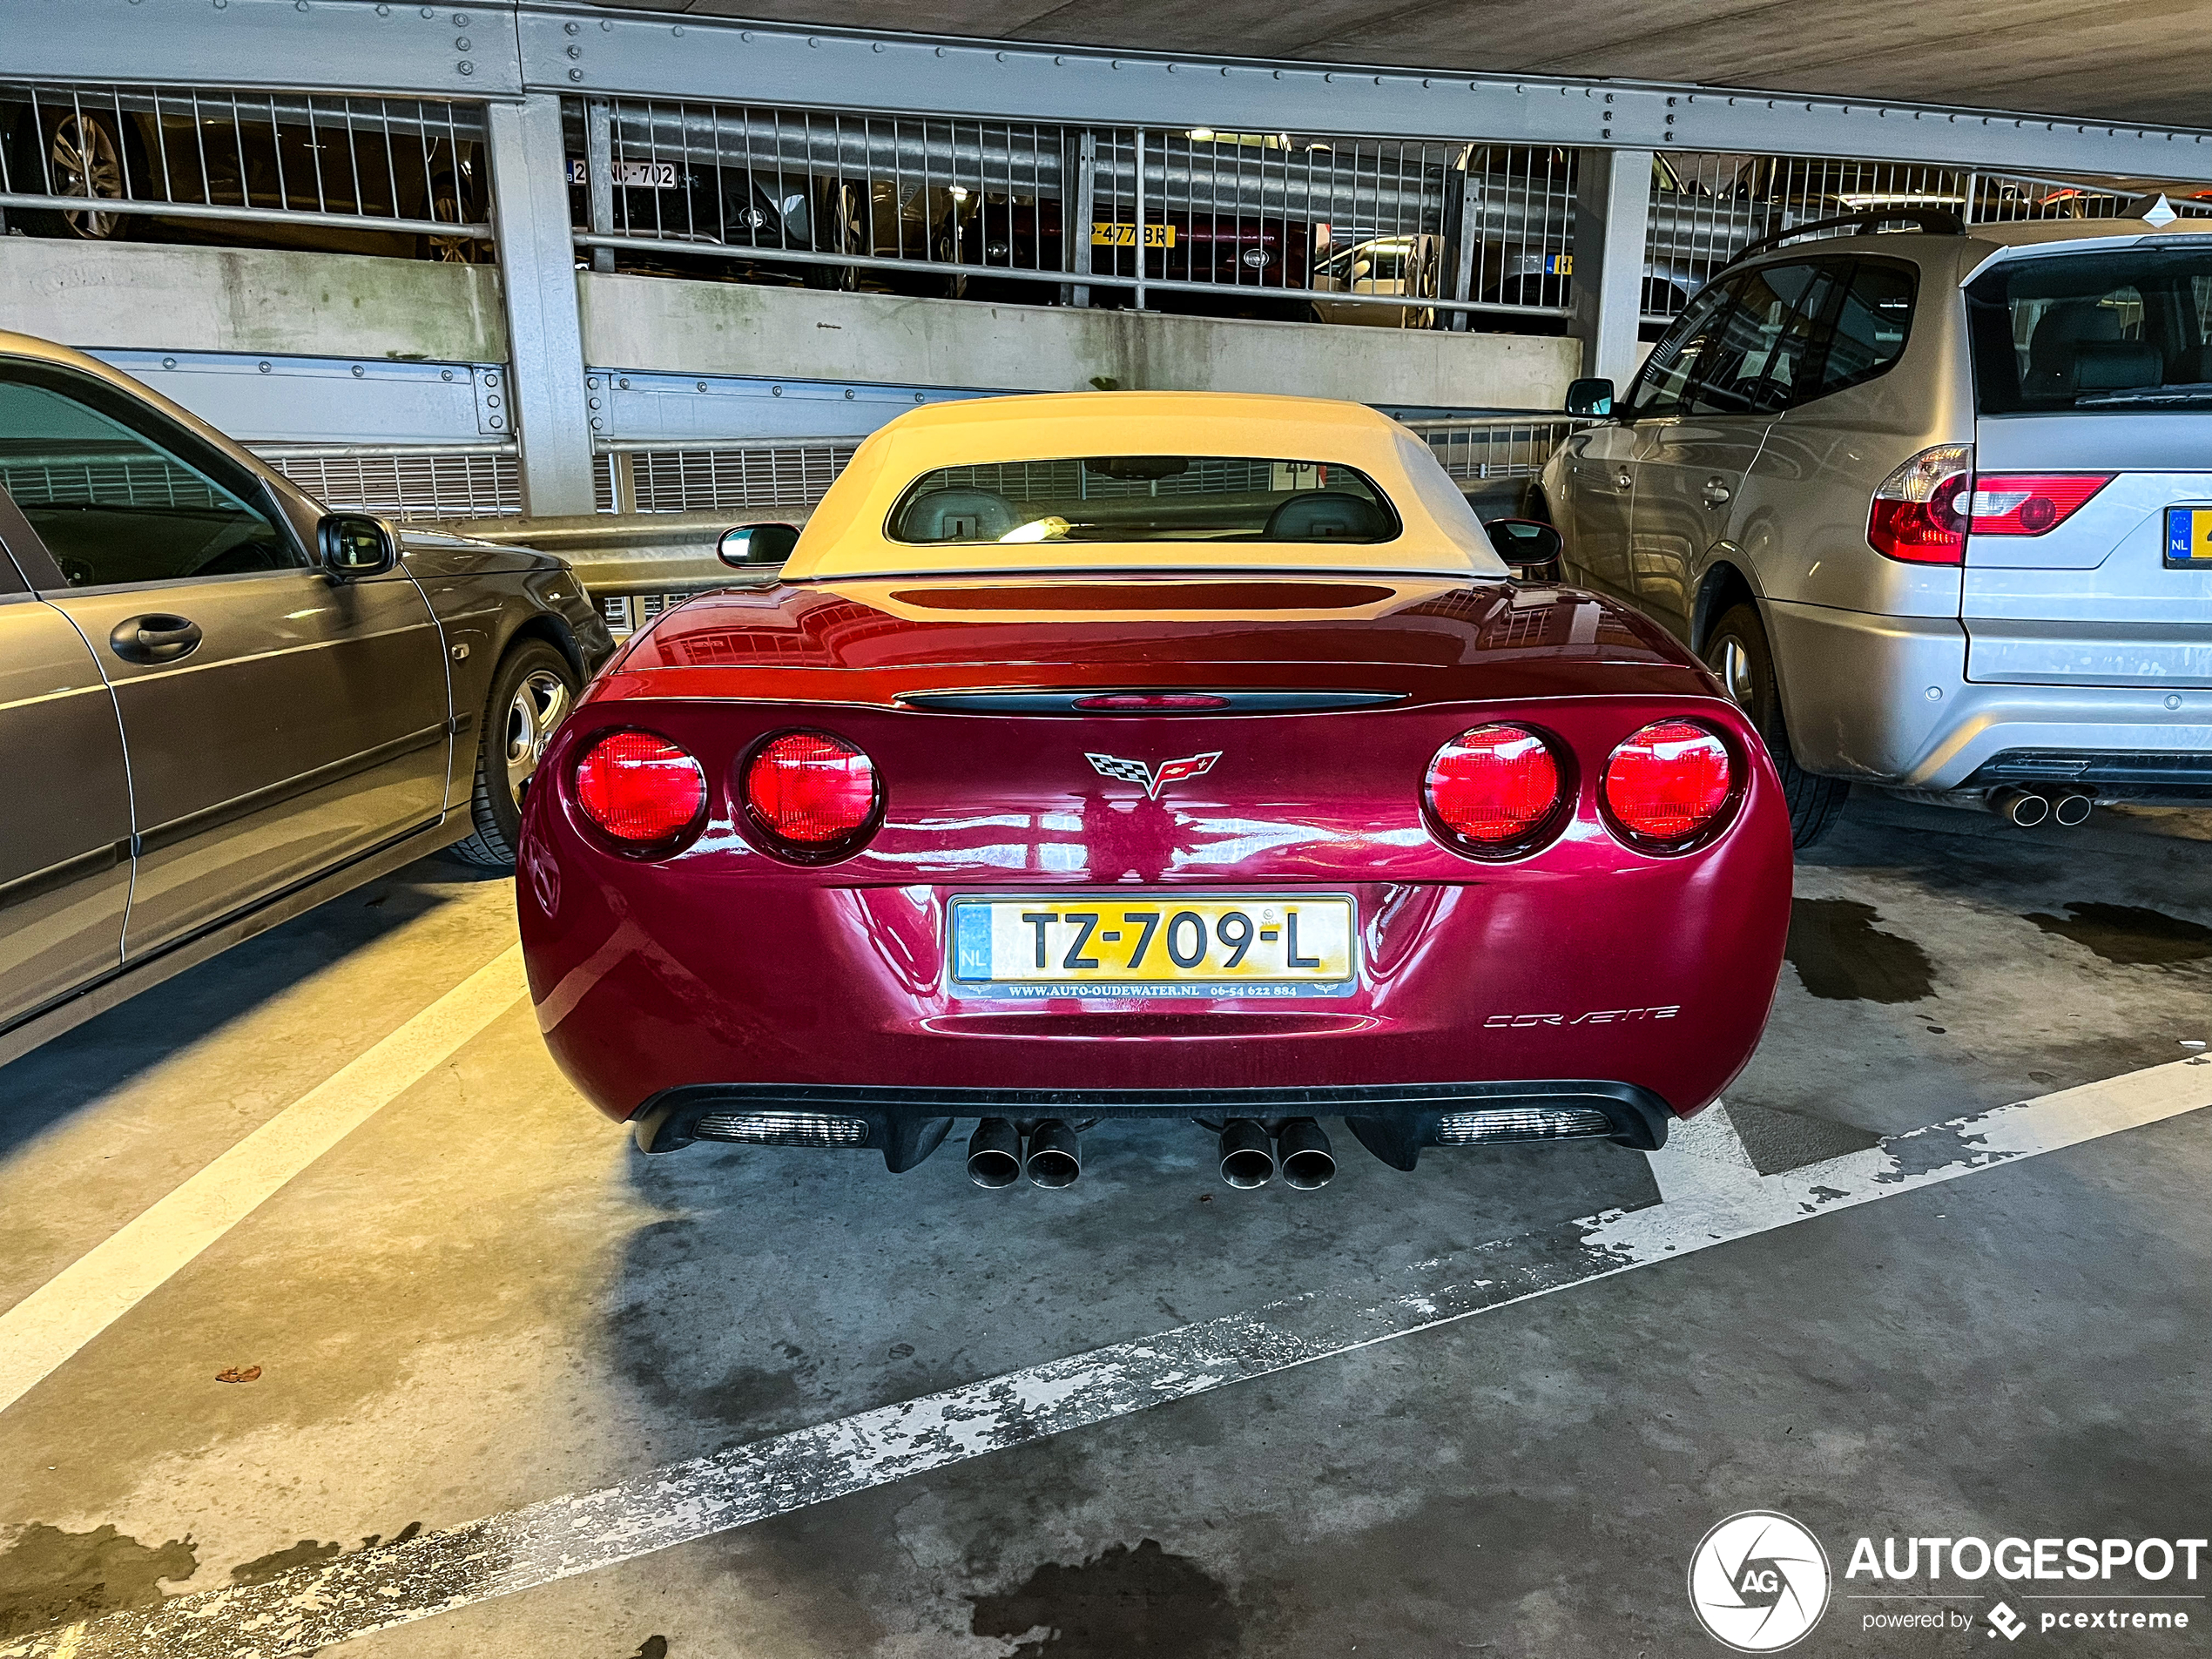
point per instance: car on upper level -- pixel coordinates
(1934, 503)
(1158, 755)
(222, 702)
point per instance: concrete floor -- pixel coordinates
(480, 1298)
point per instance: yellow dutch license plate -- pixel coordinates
(1104, 234)
(1154, 945)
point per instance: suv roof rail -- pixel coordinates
(1933, 220)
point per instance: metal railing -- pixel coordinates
(1478, 447)
(1325, 227)
(1722, 203)
(95, 163)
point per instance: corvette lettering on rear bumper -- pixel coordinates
(1596, 1016)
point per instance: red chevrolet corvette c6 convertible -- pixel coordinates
(1151, 755)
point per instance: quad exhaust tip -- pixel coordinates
(1247, 1155)
(1056, 1154)
(995, 1154)
(1302, 1152)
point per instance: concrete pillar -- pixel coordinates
(1612, 213)
(538, 278)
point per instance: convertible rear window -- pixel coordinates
(1143, 498)
(2094, 332)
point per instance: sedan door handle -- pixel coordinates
(155, 638)
(1717, 493)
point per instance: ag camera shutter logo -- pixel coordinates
(1758, 1582)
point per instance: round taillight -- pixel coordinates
(640, 789)
(810, 791)
(1495, 788)
(1666, 784)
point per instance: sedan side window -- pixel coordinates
(115, 505)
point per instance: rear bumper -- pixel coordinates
(1394, 1121)
(1886, 700)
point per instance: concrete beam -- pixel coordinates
(251, 299)
(674, 326)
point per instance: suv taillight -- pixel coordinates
(1919, 516)
(641, 790)
(811, 795)
(2028, 503)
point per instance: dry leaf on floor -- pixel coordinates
(235, 1375)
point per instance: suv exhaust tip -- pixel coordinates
(1247, 1159)
(1302, 1149)
(1055, 1155)
(995, 1154)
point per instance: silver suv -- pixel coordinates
(1936, 507)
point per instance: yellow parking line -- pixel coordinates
(40, 1331)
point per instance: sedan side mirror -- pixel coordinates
(746, 545)
(1531, 546)
(355, 545)
(1590, 397)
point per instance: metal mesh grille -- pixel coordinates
(410, 166)
(682, 480)
(419, 484)
(1521, 1123)
(783, 1129)
(141, 480)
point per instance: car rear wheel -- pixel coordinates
(531, 694)
(1740, 657)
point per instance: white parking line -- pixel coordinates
(559, 1538)
(61, 1316)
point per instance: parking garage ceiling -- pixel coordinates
(2145, 63)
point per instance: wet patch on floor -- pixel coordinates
(306, 1553)
(651, 1648)
(50, 1577)
(1841, 955)
(1122, 1602)
(2130, 934)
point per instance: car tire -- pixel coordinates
(1741, 659)
(532, 693)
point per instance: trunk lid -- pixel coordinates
(2097, 600)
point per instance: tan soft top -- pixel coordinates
(846, 536)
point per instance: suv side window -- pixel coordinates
(114, 504)
(1756, 362)
(1871, 327)
(1676, 361)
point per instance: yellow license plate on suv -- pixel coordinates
(1150, 945)
(1106, 234)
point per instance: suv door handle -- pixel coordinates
(155, 638)
(1715, 492)
(1624, 478)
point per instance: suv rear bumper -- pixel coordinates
(1886, 700)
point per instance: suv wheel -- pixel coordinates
(1740, 657)
(531, 694)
